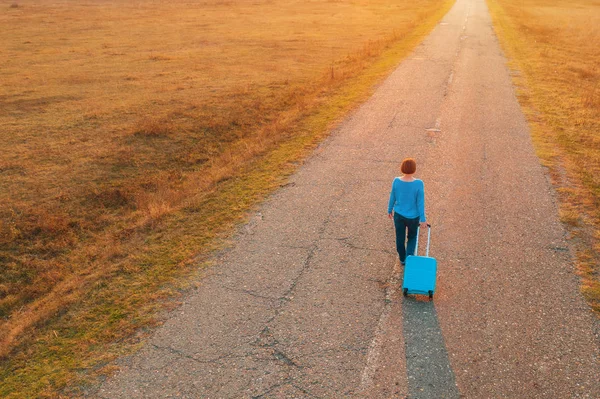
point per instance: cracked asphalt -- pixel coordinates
(306, 303)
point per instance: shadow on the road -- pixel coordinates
(427, 363)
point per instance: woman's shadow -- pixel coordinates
(427, 363)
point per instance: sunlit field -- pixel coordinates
(556, 47)
(135, 135)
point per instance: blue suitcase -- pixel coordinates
(420, 272)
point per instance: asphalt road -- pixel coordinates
(307, 302)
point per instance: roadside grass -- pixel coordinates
(134, 151)
(554, 46)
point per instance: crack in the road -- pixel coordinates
(250, 292)
(294, 247)
(287, 381)
(181, 354)
(342, 349)
(266, 340)
(345, 241)
(305, 391)
(286, 297)
(281, 356)
(394, 125)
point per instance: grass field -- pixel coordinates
(135, 136)
(555, 45)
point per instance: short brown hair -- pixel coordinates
(409, 166)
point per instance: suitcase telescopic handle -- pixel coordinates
(428, 239)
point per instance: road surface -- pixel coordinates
(307, 303)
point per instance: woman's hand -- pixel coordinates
(391, 215)
(423, 225)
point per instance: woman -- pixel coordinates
(407, 208)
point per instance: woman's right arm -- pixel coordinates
(392, 200)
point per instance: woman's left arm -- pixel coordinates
(392, 201)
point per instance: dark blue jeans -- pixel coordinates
(405, 228)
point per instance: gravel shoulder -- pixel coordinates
(306, 302)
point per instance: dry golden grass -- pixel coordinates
(134, 138)
(555, 44)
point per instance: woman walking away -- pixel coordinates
(407, 208)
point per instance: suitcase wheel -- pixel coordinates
(405, 292)
(430, 295)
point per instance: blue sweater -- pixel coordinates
(408, 199)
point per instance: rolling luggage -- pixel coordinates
(420, 272)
